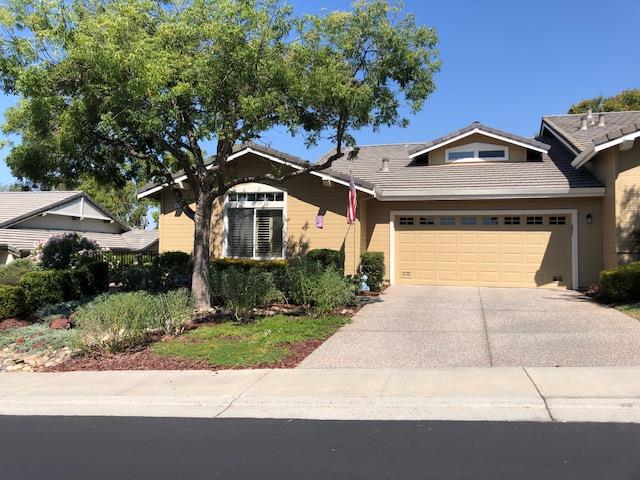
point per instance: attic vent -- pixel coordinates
(601, 121)
(583, 123)
(385, 164)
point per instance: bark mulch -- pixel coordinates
(146, 359)
(12, 323)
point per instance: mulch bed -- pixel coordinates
(13, 323)
(146, 359)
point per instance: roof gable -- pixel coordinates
(479, 128)
(16, 207)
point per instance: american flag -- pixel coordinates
(353, 202)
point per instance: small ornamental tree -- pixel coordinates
(64, 251)
(132, 89)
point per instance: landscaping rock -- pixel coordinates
(60, 323)
(12, 360)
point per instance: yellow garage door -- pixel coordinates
(499, 250)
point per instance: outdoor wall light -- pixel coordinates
(589, 218)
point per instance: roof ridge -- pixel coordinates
(595, 112)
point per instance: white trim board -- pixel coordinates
(488, 194)
(575, 283)
(471, 132)
(553, 132)
(247, 150)
(631, 137)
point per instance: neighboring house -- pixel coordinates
(478, 206)
(27, 218)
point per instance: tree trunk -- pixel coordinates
(201, 246)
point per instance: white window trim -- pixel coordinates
(575, 283)
(476, 147)
(275, 205)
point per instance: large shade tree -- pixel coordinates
(623, 101)
(132, 89)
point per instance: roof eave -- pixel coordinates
(488, 194)
(591, 152)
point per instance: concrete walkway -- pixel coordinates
(434, 327)
(531, 394)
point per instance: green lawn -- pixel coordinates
(265, 341)
(631, 309)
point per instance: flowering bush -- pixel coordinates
(68, 250)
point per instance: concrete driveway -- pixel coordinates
(431, 326)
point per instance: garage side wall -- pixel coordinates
(590, 259)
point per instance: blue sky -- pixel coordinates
(505, 63)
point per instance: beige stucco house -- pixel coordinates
(28, 218)
(479, 206)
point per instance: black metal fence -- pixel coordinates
(128, 258)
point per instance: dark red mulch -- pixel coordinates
(12, 323)
(147, 360)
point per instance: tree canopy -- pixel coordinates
(132, 89)
(624, 101)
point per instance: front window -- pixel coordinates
(477, 152)
(255, 224)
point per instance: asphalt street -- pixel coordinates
(165, 448)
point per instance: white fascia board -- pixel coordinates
(482, 132)
(485, 194)
(603, 146)
(248, 150)
(553, 132)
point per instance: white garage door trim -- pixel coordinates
(574, 234)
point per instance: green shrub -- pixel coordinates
(174, 270)
(12, 273)
(328, 258)
(175, 310)
(621, 284)
(11, 301)
(372, 265)
(48, 287)
(92, 278)
(113, 323)
(318, 288)
(277, 268)
(65, 251)
(240, 291)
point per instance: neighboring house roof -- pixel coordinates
(477, 127)
(406, 180)
(18, 206)
(26, 239)
(568, 127)
(270, 154)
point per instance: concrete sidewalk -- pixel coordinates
(499, 393)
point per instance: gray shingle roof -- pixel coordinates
(568, 127)
(272, 152)
(18, 205)
(477, 125)
(26, 239)
(553, 172)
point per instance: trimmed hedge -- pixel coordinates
(92, 278)
(328, 258)
(48, 287)
(621, 284)
(278, 268)
(12, 273)
(372, 265)
(11, 301)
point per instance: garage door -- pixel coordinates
(499, 250)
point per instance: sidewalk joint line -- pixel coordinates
(544, 400)
(486, 331)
